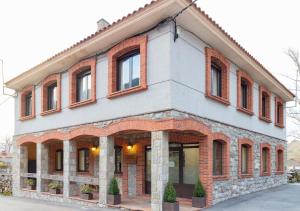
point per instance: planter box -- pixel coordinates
(31, 187)
(171, 206)
(54, 191)
(86, 196)
(199, 202)
(114, 199)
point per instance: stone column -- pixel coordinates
(38, 167)
(106, 168)
(69, 163)
(159, 167)
(17, 168)
(44, 164)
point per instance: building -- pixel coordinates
(161, 99)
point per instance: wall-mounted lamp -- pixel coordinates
(94, 147)
(130, 146)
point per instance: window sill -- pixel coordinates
(219, 99)
(265, 174)
(24, 118)
(279, 172)
(82, 103)
(45, 113)
(246, 111)
(279, 125)
(220, 177)
(126, 91)
(84, 174)
(268, 120)
(243, 176)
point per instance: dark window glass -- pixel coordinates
(265, 159)
(279, 160)
(59, 160)
(128, 74)
(264, 105)
(216, 80)
(244, 159)
(52, 97)
(83, 160)
(28, 104)
(118, 159)
(84, 86)
(279, 112)
(217, 158)
(244, 92)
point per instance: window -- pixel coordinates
(83, 160)
(217, 76)
(217, 158)
(129, 70)
(264, 107)
(27, 102)
(128, 67)
(279, 159)
(244, 98)
(264, 158)
(59, 160)
(84, 86)
(244, 92)
(52, 97)
(245, 158)
(82, 82)
(216, 80)
(279, 112)
(118, 159)
(265, 164)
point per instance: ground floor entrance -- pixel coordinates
(183, 168)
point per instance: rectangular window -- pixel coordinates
(265, 160)
(52, 97)
(244, 157)
(244, 92)
(59, 160)
(264, 106)
(216, 80)
(84, 86)
(83, 160)
(128, 71)
(217, 158)
(279, 110)
(28, 104)
(118, 159)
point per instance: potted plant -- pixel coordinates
(30, 184)
(114, 196)
(170, 203)
(54, 187)
(199, 199)
(86, 192)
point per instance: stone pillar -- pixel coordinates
(18, 160)
(38, 167)
(106, 168)
(69, 163)
(44, 165)
(159, 167)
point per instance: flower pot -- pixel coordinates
(114, 199)
(198, 202)
(31, 187)
(54, 191)
(167, 206)
(86, 196)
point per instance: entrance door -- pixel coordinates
(183, 168)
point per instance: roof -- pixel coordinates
(144, 18)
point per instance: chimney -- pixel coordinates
(101, 24)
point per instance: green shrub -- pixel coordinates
(3, 165)
(199, 190)
(54, 185)
(7, 193)
(30, 182)
(85, 188)
(170, 193)
(113, 187)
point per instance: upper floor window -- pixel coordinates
(217, 76)
(264, 104)
(128, 67)
(27, 101)
(51, 100)
(245, 158)
(59, 160)
(83, 160)
(279, 112)
(83, 83)
(244, 92)
(84, 86)
(265, 164)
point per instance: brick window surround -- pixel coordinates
(279, 159)
(73, 72)
(55, 78)
(263, 91)
(279, 102)
(249, 144)
(23, 94)
(265, 146)
(139, 42)
(241, 75)
(225, 140)
(211, 55)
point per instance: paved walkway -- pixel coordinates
(283, 198)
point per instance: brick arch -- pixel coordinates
(27, 139)
(87, 130)
(51, 136)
